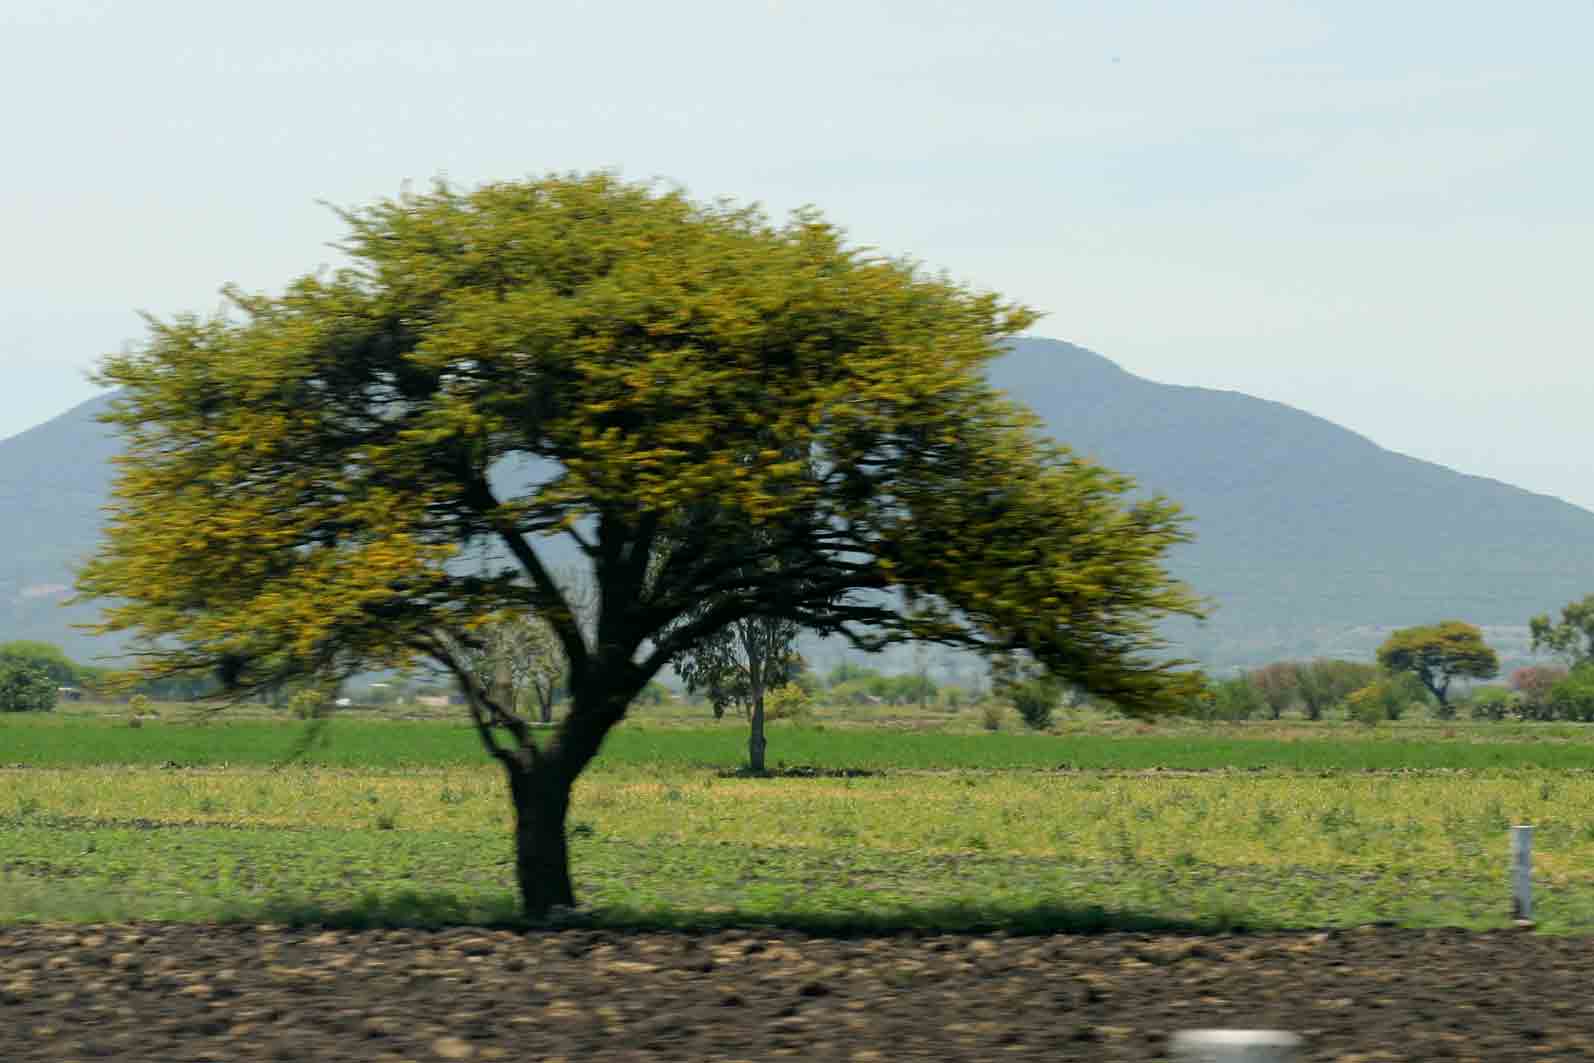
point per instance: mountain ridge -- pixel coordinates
(1310, 538)
(1305, 527)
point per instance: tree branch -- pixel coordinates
(554, 607)
(486, 712)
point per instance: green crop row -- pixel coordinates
(397, 745)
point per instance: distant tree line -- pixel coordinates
(1417, 671)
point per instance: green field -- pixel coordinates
(406, 822)
(350, 743)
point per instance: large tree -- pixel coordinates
(1438, 654)
(301, 470)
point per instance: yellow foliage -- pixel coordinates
(300, 472)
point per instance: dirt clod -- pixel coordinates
(182, 992)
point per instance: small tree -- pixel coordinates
(1033, 693)
(1326, 682)
(1572, 639)
(26, 688)
(1533, 685)
(1438, 654)
(1240, 698)
(737, 666)
(518, 657)
(740, 662)
(1278, 685)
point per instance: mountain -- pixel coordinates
(53, 480)
(1310, 539)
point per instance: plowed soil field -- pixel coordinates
(193, 992)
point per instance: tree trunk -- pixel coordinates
(755, 720)
(542, 853)
(504, 681)
(755, 737)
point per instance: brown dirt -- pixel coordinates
(190, 993)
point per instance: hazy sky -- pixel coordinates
(1378, 212)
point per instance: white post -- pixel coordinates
(1234, 1046)
(1522, 874)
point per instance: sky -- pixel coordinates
(1379, 213)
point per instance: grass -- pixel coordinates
(385, 744)
(1109, 825)
(660, 844)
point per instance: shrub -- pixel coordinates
(26, 688)
(856, 691)
(1388, 698)
(655, 693)
(1239, 699)
(1035, 700)
(137, 709)
(1201, 704)
(1493, 703)
(1366, 705)
(789, 702)
(1534, 684)
(1573, 697)
(993, 714)
(309, 704)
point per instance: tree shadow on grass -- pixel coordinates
(441, 910)
(800, 771)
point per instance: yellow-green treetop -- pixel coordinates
(301, 469)
(1439, 653)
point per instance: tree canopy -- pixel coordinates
(47, 657)
(1439, 653)
(1573, 637)
(303, 471)
(25, 687)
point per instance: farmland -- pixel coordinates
(254, 889)
(384, 822)
(84, 741)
